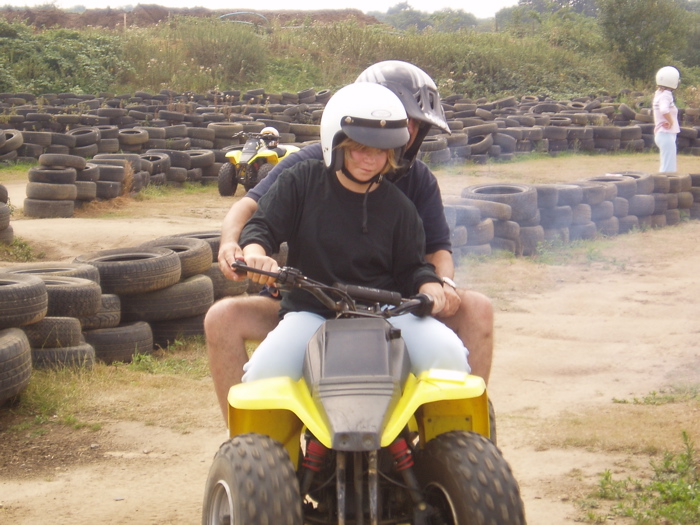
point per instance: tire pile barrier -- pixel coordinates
(87, 125)
(107, 306)
(519, 217)
(507, 127)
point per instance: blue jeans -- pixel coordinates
(430, 344)
(666, 143)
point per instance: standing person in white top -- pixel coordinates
(666, 125)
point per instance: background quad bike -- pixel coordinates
(246, 172)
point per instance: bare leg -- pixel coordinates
(473, 323)
(228, 324)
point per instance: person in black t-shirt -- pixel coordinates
(344, 223)
(233, 320)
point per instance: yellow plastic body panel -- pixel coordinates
(277, 407)
(440, 401)
(436, 402)
(234, 156)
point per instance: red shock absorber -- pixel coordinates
(403, 457)
(315, 453)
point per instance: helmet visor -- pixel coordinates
(376, 133)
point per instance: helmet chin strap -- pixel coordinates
(377, 179)
(374, 180)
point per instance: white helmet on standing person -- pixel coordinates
(668, 77)
(419, 95)
(369, 114)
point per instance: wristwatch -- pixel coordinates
(449, 282)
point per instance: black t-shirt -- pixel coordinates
(321, 221)
(419, 185)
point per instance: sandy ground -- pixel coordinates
(570, 339)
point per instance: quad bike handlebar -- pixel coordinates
(347, 300)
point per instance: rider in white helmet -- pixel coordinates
(234, 320)
(344, 223)
(666, 125)
(270, 136)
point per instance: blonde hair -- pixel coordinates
(347, 145)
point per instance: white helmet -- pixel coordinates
(367, 113)
(270, 135)
(668, 77)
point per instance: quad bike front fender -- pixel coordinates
(234, 156)
(439, 401)
(278, 407)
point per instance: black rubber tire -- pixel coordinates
(71, 296)
(63, 161)
(224, 287)
(84, 271)
(466, 479)
(48, 191)
(642, 205)
(167, 332)
(494, 210)
(106, 190)
(212, 237)
(5, 215)
(530, 238)
(134, 270)
(227, 180)
(107, 316)
(23, 300)
(481, 233)
(15, 363)
(81, 355)
(195, 254)
(264, 171)
(48, 209)
(252, 481)
(522, 198)
(84, 136)
(54, 332)
(121, 343)
(190, 297)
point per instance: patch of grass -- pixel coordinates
(663, 397)
(85, 398)
(18, 251)
(15, 171)
(671, 496)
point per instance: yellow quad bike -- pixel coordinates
(359, 439)
(250, 164)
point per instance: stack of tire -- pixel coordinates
(177, 310)
(520, 201)
(7, 234)
(695, 190)
(519, 217)
(51, 300)
(51, 190)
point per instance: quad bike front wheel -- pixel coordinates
(252, 482)
(227, 180)
(466, 480)
(264, 171)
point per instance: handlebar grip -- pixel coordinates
(373, 295)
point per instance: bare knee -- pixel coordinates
(478, 309)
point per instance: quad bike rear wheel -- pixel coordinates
(252, 482)
(227, 180)
(467, 481)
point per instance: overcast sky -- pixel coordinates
(480, 8)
